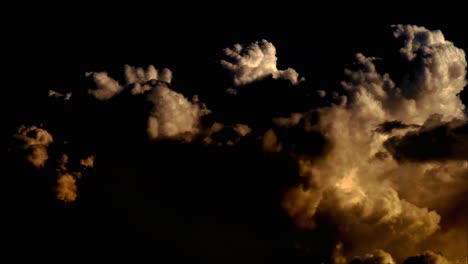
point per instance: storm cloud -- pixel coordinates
(371, 171)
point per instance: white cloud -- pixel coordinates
(173, 115)
(106, 86)
(256, 62)
(58, 95)
(380, 202)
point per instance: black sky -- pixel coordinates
(203, 205)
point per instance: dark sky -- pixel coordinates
(56, 49)
(164, 202)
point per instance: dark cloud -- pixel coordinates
(389, 126)
(435, 141)
(427, 257)
(376, 257)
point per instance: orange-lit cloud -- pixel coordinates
(34, 141)
(66, 188)
(379, 199)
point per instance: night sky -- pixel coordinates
(222, 196)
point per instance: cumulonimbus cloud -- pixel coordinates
(386, 164)
(366, 195)
(256, 62)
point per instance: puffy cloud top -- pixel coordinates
(256, 62)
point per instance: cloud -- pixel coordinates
(270, 142)
(427, 257)
(439, 74)
(58, 95)
(226, 135)
(34, 141)
(389, 126)
(143, 80)
(172, 114)
(289, 74)
(321, 93)
(88, 162)
(436, 140)
(295, 135)
(337, 255)
(138, 75)
(66, 188)
(106, 86)
(376, 257)
(436, 77)
(231, 91)
(256, 62)
(139, 80)
(242, 130)
(377, 117)
(288, 121)
(383, 166)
